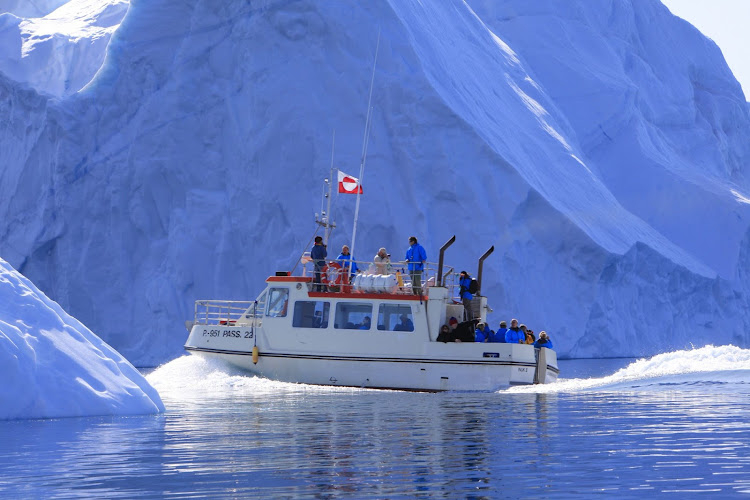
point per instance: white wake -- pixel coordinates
(697, 367)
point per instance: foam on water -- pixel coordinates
(193, 376)
(696, 367)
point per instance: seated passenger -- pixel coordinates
(530, 338)
(514, 335)
(445, 334)
(544, 341)
(499, 336)
(464, 332)
(406, 325)
(456, 333)
(482, 333)
(317, 321)
(365, 324)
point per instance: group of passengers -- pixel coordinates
(481, 332)
(416, 258)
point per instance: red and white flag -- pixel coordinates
(349, 184)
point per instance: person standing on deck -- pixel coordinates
(344, 258)
(382, 262)
(465, 282)
(416, 258)
(318, 255)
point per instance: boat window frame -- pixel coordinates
(258, 309)
(325, 314)
(356, 305)
(400, 308)
(272, 311)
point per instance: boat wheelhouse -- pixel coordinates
(374, 333)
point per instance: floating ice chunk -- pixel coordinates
(51, 365)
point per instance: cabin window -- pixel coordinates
(395, 318)
(353, 316)
(278, 301)
(311, 314)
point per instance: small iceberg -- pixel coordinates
(51, 365)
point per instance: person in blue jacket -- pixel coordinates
(416, 258)
(344, 258)
(499, 336)
(318, 255)
(544, 341)
(514, 335)
(482, 333)
(464, 281)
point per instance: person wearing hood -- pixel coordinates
(482, 333)
(544, 341)
(464, 281)
(382, 262)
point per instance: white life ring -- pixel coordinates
(332, 275)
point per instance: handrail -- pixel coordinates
(432, 275)
(220, 312)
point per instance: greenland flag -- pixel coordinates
(349, 184)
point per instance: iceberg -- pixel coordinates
(53, 366)
(601, 147)
(59, 52)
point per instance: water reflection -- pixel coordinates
(247, 437)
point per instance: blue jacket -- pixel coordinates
(407, 326)
(342, 259)
(499, 336)
(415, 255)
(465, 284)
(547, 344)
(513, 336)
(483, 335)
(318, 254)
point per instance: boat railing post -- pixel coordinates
(440, 259)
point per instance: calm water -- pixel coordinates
(656, 427)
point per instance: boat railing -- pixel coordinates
(220, 312)
(336, 273)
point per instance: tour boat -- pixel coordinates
(293, 333)
(376, 332)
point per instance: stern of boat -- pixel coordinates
(546, 366)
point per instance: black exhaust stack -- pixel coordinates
(440, 261)
(481, 263)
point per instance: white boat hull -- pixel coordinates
(364, 359)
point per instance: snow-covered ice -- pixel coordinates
(60, 52)
(53, 366)
(601, 147)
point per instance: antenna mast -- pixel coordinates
(325, 219)
(365, 141)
